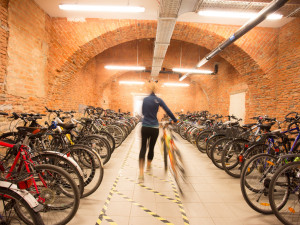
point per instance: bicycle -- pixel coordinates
(257, 174)
(14, 200)
(172, 154)
(285, 187)
(51, 186)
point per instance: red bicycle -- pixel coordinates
(50, 185)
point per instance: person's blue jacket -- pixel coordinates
(150, 108)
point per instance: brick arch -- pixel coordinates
(241, 61)
(182, 32)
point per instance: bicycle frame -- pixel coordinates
(23, 156)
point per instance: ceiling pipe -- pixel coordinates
(168, 13)
(291, 2)
(272, 7)
(163, 71)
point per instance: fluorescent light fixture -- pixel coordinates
(186, 70)
(246, 15)
(111, 67)
(102, 8)
(132, 82)
(176, 84)
(183, 77)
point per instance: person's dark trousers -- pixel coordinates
(149, 134)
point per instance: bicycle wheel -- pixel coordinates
(10, 200)
(110, 139)
(90, 164)
(257, 149)
(188, 133)
(201, 141)
(57, 192)
(182, 130)
(193, 135)
(177, 167)
(99, 144)
(255, 180)
(64, 162)
(117, 133)
(210, 142)
(216, 151)
(230, 157)
(165, 153)
(124, 129)
(285, 193)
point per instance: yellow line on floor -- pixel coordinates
(145, 209)
(152, 190)
(150, 174)
(107, 201)
(180, 205)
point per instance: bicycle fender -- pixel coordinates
(65, 156)
(89, 148)
(32, 202)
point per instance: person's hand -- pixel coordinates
(172, 122)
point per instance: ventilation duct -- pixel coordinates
(168, 13)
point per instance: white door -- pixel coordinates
(237, 105)
(137, 104)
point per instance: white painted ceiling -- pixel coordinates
(151, 12)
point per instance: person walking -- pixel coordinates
(150, 127)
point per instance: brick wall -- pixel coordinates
(288, 74)
(4, 32)
(58, 64)
(81, 89)
(23, 72)
(28, 50)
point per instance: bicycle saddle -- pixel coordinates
(249, 125)
(86, 120)
(67, 126)
(266, 127)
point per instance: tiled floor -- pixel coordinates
(211, 196)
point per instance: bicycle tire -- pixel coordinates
(201, 140)
(165, 155)
(14, 200)
(182, 131)
(217, 150)
(99, 144)
(210, 141)
(91, 165)
(177, 168)
(117, 133)
(110, 139)
(285, 208)
(55, 194)
(64, 163)
(232, 151)
(255, 191)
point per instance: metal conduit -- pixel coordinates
(272, 7)
(168, 13)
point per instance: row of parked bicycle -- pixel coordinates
(46, 169)
(266, 160)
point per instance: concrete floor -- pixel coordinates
(211, 197)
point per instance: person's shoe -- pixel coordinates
(141, 179)
(149, 168)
